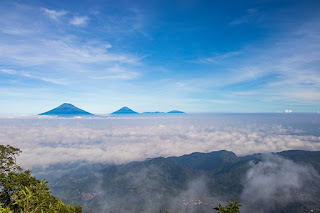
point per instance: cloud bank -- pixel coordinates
(119, 140)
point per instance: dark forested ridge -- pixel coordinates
(197, 182)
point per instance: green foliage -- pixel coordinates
(5, 210)
(20, 192)
(233, 207)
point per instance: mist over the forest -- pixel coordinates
(276, 182)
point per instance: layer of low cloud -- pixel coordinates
(121, 140)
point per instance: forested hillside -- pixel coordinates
(279, 182)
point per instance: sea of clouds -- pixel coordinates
(46, 141)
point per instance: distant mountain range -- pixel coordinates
(127, 110)
(69, 110)
(197, 182)
(156, 112)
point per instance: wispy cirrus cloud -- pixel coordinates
(54, 14)
(217, 58)
(79, 20)
(32, 76)
(43, 57)
(285, 69)
(36, 48)
(62, 50)
(116, 72)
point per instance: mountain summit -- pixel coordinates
(66, 110)
(125, 110)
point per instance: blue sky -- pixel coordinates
(195, 56)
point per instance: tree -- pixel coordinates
(8, 159)
(21, 192)
(233, 207)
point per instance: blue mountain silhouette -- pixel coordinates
(125, 110)
(66, 110)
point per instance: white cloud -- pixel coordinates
(79, 20)
(54, 14)
(125, 139)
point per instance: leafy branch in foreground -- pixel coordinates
(20, 192)
(233, 207)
